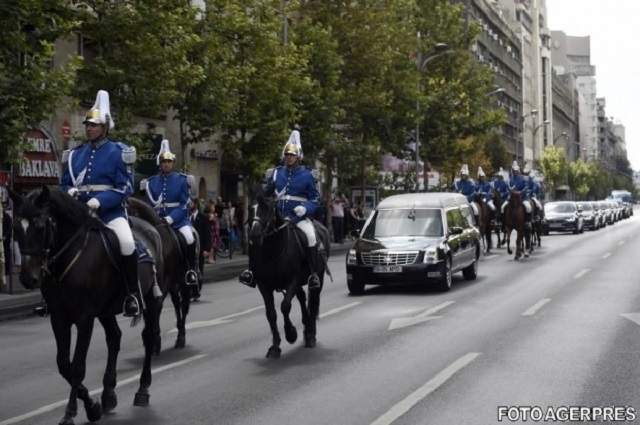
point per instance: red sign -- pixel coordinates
(66, 130)
(4, 178)
(39, 163)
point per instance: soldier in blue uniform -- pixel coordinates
(465, 185)
(521, 184)
(501, 186)
(168, 192)
(99, 173)
(484, 188)
(295, 188)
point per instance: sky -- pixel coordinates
(614, 27)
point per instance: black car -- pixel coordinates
(420, 238)
(563, 216)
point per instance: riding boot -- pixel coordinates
(131, 306)
(312, 256)
(191, 277)
(246, 278)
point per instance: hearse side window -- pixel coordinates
(455, 219)
(404, 222)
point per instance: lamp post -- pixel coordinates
(535, 131)
(438, 50)
(534, 112)
(496, 91)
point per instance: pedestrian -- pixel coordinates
(201, 225)
(7, 234)
(214, 225)
(238, 220)
(337, 218)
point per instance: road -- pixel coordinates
(560, 328)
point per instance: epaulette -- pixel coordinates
(268, 175)
(144, 184)
(315, 173)
(65, 156)
(128, 154)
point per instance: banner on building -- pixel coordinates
(39, 164)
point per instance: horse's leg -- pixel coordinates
(314, 310)
(290, 333)
(272, 317)
(306, 317)
(176, 299)
(149, 334)
(78, 369)
(507, 235)
(113, 335)
(185, 298)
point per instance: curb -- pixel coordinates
(23, 305)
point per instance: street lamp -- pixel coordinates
(496, 91)
(439, 49)
(563, 134)
(534, 112)
(535, 130)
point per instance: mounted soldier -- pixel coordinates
(168, 192)
(99, 173)
(520, 183)
(467, 187)
(501, 186)
(484, 188)
(295, 189)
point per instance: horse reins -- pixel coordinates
(50, 261)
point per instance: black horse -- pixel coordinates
(277, 258)
(74, 259)
(175, 267)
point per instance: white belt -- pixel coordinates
(292, 198)
(168, 205)
(94, 187)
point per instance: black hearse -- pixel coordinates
(419, 238)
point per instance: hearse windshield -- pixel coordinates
(404, 222)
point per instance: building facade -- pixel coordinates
(565, 129)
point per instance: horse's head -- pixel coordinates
(265, 217)
(34, 229)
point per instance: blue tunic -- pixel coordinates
(169, 195)
(466, 187)
(485, 189)
(99, 171)
(520, 183)
(503, 188)
(293, 187)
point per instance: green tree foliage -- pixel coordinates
(554, 167)
(580, 178)
(30, 88)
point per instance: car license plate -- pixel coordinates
(387, 269)
(433, 274)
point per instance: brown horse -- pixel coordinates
(537, 215)
(514, 219)
(483, 221)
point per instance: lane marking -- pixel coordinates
(217, 321)
(621, 243)
(425, 316)
(415, 397)
(62, 403)
(339, 309)
(537, 306)
(581, 273)
(607, 255)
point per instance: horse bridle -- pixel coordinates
(267, 224)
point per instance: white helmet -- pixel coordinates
(481, 172)
(464, 171)
(515, 166)
(100, 112)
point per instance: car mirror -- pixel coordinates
(455, 230)
(355, 233)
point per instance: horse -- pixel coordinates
(277, 258)
(73, 257)
(537, 214)
(483, 221)
(174, 270)
(496, 217)
(514, 218)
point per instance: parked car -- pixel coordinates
(420, 238)
(590, 217)
(563, 216)
(600, 214)
(607, 212)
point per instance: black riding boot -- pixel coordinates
(312, 257)
(191, 277)
(131, 306)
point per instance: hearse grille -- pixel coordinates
(389, 258)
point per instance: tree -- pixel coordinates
(580, 178)
(554, 167)
(30, 88)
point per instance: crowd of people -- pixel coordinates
(225, 221)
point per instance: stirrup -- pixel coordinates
(131, 309)
(191, 278)
(41, 310)
(246, 278)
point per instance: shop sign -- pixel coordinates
(39, 163)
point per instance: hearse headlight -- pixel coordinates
(352, 257)
(430, 255)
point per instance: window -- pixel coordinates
(455, 219)
(404, 222)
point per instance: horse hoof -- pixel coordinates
(273, 353)
(180, 342)
(94, 411)
(109, 400)
(291, 334)
(141, 399)
(66, 421)
(310, 342)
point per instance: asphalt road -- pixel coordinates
(557, 329)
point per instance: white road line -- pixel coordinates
(217, 321)
(61, 403)
(607, 255)
(537, 306)
(415, 397)
(339, 309)
(621, 243)
(581, 273)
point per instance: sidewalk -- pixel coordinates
(22, 301)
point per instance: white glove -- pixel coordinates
(300, 210)
(73, 191)
(93, 203)
(168, 219)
